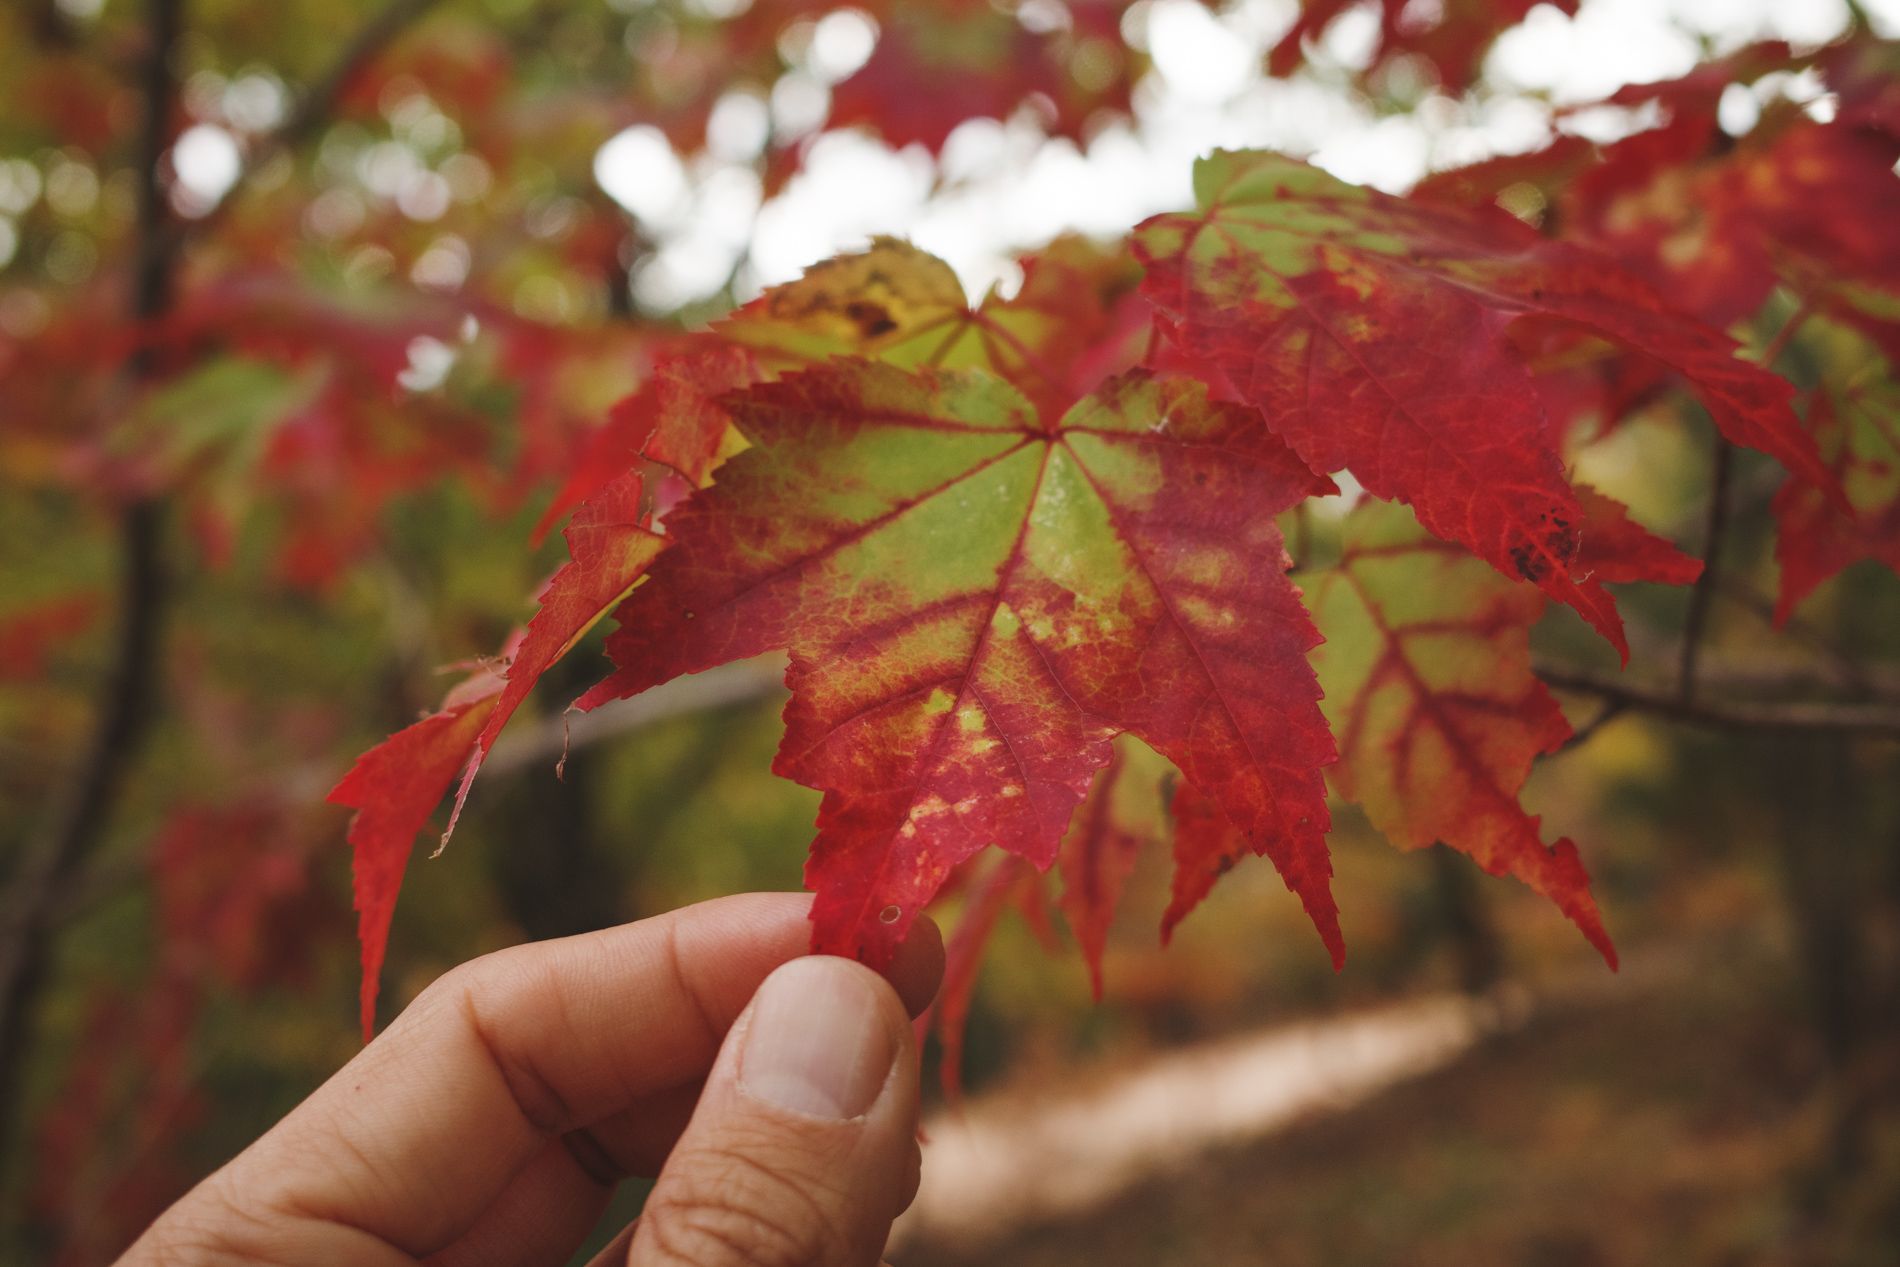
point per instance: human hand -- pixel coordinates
(773, 1094)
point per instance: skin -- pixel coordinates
(490, 1123)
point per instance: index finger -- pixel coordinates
(412, 1139)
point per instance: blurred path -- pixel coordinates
(1019, 1157)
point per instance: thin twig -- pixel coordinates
(1880, 720)
(723, 687)
(1607, 713)
(1695, 622)
(1715, 523)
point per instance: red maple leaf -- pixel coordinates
(1125, 812)
(1615, 548)
(1370, 333)
(609, 546)
(393, 788)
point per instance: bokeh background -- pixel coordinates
(393, 304)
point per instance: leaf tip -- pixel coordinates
(1599, 937)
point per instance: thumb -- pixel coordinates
(804, 1146)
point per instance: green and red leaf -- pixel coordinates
(977, 602)
(1428, 680)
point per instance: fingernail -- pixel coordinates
(817, 1042)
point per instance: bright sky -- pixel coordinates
(1004, 189)
(1000, 189)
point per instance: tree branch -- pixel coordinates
(36, 900)
(547, 742)
(1877, 720)
(1609, 711)
(82, 810)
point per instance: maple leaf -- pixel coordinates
(1429, 688)
(1370, 333)
(1865, 74)
(1855, 415)
(1539, 173)
(1722, 224)
(609, 547)
(1716, 222)
(673, 418)
(1077, 318)
(851, 305)
(393, 788)
(396, 785)
(976, 600)
(1206, 847)
(1700, 91)
(988, 896)
(1056, 338)
(892, 299)
(1126, 811)
(1617, 548)
(1846, 256)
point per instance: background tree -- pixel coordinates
(310, 341)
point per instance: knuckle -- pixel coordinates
(479, 975)
(210, 1227)
(440, 994)
(498, 995)
(739, 1209)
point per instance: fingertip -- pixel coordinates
(799, 1151)
(822, 1038)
